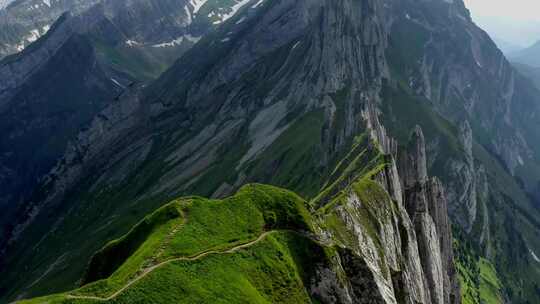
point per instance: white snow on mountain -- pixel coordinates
(5, 3)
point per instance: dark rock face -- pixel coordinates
(415, 162)
(47, 95)
(53, 89)
(46, 112)
(363, 283)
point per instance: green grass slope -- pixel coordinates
(478, 278)
(249, 248)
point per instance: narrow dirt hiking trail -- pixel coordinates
(192, 258)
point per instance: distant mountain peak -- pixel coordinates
(529, 56)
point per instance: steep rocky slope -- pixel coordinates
(281, 93)
(54, 88)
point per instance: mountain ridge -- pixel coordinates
(285, 109)
(324, 227)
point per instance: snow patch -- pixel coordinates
(234, 9)
(520, 160)
(257, 4)
(193, 39)
(117, 83)
(197, 4)
(34, 35)
(535, 257)
(177, 41)
(132, 43)
(478, 64)
(241, 20)
(174, 42)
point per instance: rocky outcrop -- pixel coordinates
(426, 204)
(463, 181)
(414, 160)
(398, 232)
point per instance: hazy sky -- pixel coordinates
(515, 21)
(527, 10)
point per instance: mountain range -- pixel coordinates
(529, 56)
(54, 88)
(407, 143)
(506, 47)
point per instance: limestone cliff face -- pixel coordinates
(410, 254)
(397, 234)
(427, 206)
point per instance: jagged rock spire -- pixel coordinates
(426, 204)
(414, 161)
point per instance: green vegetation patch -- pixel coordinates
(192, 227)
(138, 63)
(478, 278)
(363, 162)
(272, 271)
(374, 209)
(292, 161)
(490, 286)
(277, 269)
(147, 232)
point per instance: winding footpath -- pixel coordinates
(152, 268)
